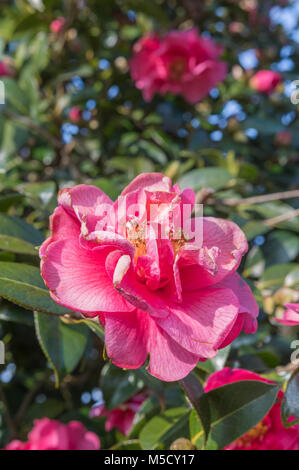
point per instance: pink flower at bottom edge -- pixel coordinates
(50, 434)
(269, 434)
(166, 297)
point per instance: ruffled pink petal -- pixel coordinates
(126, 338)
(84, 200)
(131, 337)
(78, 280)
(149, 181)
(229, 244)
(248, 304)
(202, 321)
(168, 360)
(156, 303)
(63, 226)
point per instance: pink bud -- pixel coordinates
(265, 81)
(57, 25)
(75, 114)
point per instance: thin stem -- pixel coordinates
(193, 390)
(281, 218)
(258, 199)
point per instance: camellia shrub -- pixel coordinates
(149, 221)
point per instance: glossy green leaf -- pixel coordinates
(62, 343)
(19, 228)
(290, 404)
(215, 178)
(11, 312)
(230, 411)
(164, 428)
(118, 385)
(16, 245)
(23, 285)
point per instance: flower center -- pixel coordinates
(177, 68)
(257, 432)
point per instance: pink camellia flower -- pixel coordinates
(57, 25)
(269, 434)
(265, 81)
(49, 434)
(121, 417)
(160, 291)
(290, 316)
(75, 114)
(181, 62)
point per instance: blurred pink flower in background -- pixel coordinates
(49, 434)
(121, 417)
(75, 114)
(283, 138)
(6, 69)
(57, 25)
(181, 62)
(269, 434)
(265, 81)
(290, 316)
(165, 298)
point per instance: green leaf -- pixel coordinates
(165, 428)
(16, 245)
(281, 247)
(292, 278)
(19, 228)
(8, 200)
(51, 408)
(23, 285)
(215, 178)
(290, 403)
(11, 312)
(94, 327)
(230, 411)
(62, 343)
(274, 276)
(118, 385)
(39, 193)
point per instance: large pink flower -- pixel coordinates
(265, 81)
(159, 291)
(49, 434)
(269, 434)
(181, 62)
(290, 315)
(121, 417)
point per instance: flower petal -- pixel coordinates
(77, 278)
(125, 338)
(202, 320)
(84, 200)
(63, 226)
(231, 244)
